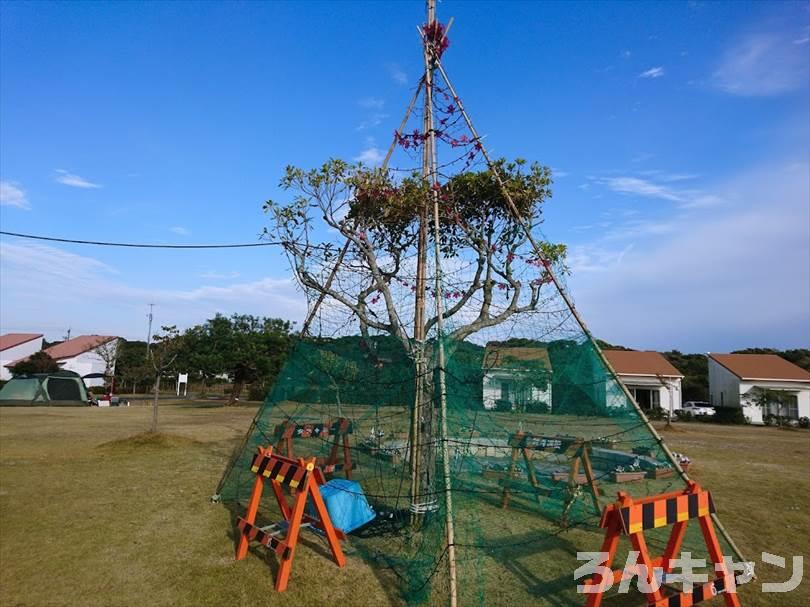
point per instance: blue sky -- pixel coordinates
(679, 134)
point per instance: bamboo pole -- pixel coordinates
(430, 58)
(569, 303)
(333, 273)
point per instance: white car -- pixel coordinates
(697, 408)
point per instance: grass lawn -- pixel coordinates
(91, 516)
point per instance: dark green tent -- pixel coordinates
(62, 388)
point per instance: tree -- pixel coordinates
(765, 398)
(380, 220)
(38, 362)
(108, 352)
(131, 368)
(383, 222)
(165, 348)
(248, 348)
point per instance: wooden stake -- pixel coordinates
(432, 157)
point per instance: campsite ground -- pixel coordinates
(94, 513)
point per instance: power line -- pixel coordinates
(134, 245)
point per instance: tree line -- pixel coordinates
(241, 349)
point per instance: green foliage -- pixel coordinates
(728, 415)
(474, 211)
(804, 422)
(247, 348)
(132, 369)
(38, 362)
(695, 369)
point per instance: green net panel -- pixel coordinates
(554, 392)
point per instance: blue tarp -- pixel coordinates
(346, 503)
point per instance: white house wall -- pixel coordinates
(84, 364)
(727, 390)
(724, 386)
(492, 389)
(755, 413)
(9, 355)
(669, 392)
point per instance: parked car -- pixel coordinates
(697, 408)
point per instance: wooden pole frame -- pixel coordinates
(570, 304)
(431, 57)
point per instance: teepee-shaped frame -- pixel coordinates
(434, 42)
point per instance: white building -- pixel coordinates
(517, 378)
(734, 380)
(650, 378)
(16, 346)
(83, 355)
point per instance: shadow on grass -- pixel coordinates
(311, 540)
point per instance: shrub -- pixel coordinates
(537, 406)
(804, 422)
(656, 413)
(728, 415)
(686, 416)
(770, 419)
(257, 392)
(503, 405)
(97, 389)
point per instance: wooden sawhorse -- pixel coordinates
(304, 479)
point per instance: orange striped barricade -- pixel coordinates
(302, 478)
(631, 518)
(340, 430)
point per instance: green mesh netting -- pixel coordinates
(551, 391)
(519, 369)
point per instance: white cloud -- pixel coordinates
(11, 195)
(626, 54)
(180, 230)
(213, 275)
(661, 188)
(69, 289)
(653, 72)
(63, 176)
(397, 73)
(371, 103)
(761, 65)
(640, 187)
(643, 157)
(371, 156)
(710, 280)
(372, 121)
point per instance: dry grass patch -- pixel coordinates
(95, 512)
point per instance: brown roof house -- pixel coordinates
(650, 378)
(736, 379)
(517, 378)
(85, 355)
(16, 346)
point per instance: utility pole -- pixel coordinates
(149, 330)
